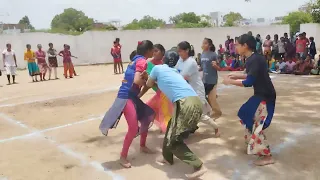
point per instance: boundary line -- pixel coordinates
(96, 165)
(62, 97)
(37, 132)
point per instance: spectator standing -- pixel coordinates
(10, 63)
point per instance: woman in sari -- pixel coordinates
(127, 102)
(67, 63)
(42, 64)
(159, 102)
(257, 113)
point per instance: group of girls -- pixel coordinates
(37, 64)
(255, 115)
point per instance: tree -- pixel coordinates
(72, 20)
(147, 22)
(190, 20)
(190, 17)
(26, 23)
(294, 19)
(315, 11)
(232, 18)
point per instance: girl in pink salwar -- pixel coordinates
(42, 64)
(159, 102)
(130, 105)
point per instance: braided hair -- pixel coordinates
(171, 58)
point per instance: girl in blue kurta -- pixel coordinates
(256, 114)
(128, 103)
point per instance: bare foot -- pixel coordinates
(198, 173)
(146, 150)
(162, 161)
(124, 162)
(265, 160)
(216, 133)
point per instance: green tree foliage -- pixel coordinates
(147, 22)
(190, 20)
(72, 20)
(294, 19)
(26, 23)
(315, 11)
(232, 18)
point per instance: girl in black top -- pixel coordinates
(256, 114)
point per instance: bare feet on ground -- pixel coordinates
(146, 150)
(124, 162)
(217, 133)
(265, 160)
(162, 161)
(197, 173)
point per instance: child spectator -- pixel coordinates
(281, 46)
(280, 66)
(221, 51)
(304, 67)
(316, 69)
(312, 48)
(232, 48)
(290, 66)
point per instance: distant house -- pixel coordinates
(168, 26)
(13, 28)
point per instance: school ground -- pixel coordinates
(49, 131)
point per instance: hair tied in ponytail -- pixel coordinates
(139, 42)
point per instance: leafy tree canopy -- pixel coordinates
(72, 20)
(147, 22)
(26, 22)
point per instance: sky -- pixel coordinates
(41, 12)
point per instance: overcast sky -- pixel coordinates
(41, 12)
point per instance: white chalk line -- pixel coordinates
(96, 165)
(47, 130)
(114, 88)
(62, 97)
(64, 149)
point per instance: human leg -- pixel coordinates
(212, 99)
(131, 118)
(65, 69)
(257, 143)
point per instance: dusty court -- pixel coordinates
(49, 131)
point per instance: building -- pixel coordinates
(216, 19)
(12, 28)
(278, 20)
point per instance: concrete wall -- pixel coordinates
(312, 30)
(94, 47)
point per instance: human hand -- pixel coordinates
(226, 80)
(144, 75)
(232, 76)
(214, 63)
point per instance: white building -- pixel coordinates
(217, 18)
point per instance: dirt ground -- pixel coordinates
(49, 131)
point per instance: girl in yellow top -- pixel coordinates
(30, 56)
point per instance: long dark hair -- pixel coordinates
(143, 47)
(133, 54)
(184, 45)
(211, 45)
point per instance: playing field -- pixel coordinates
(49, 131)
